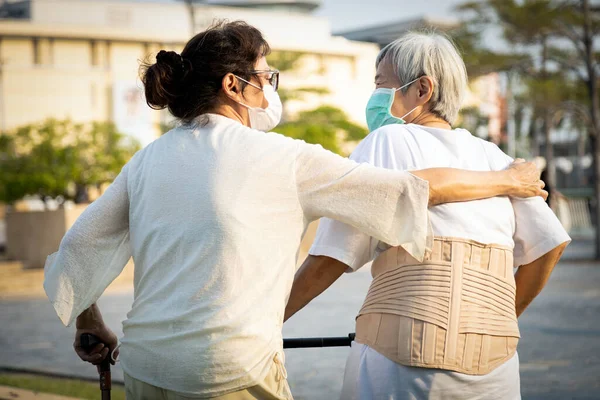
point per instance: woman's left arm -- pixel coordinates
(391, 206)
(530, 279)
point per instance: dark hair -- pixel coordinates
(189, 84)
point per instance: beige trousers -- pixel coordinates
(273, 387)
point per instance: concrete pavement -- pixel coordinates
(559, 349)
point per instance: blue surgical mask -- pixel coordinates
(380, 105)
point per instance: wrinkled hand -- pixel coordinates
(102, 350)
(90, 321)
(525, 180)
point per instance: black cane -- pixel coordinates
(302, 343)
(88, 342)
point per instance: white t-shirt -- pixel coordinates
(527, 224)
(213, 217)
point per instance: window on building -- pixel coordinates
(37, 52)
(94, 53)
(107, 54)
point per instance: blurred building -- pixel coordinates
(80, 59)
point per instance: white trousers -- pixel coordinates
(371, 376)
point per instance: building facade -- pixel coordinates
(80, 59)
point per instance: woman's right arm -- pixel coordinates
(447, 185)
(92, 253)
(392, 205)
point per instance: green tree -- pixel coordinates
(527, 25)
(60, 159)
(325, 125)
(559, 36)
(288, 61)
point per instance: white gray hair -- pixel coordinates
(417, 54)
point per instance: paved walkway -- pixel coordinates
(559, 350)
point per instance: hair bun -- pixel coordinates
(189, 83)
(164, 80)
(169, 58)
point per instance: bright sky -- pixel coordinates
(350, 14)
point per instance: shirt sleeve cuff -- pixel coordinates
(338, 254)
(59, 291)
(420, 231)
(541, 248)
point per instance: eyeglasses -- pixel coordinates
(272, 76)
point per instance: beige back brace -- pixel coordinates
(453, 311)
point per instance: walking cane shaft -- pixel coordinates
(88, 342)
(303, 343)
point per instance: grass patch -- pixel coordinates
(64, 387)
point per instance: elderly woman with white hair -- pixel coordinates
(444, 327)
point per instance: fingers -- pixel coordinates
(101, 356)
(92, 358)
(108, 343)
(95, 356)
(519, 160)
(96, 359)
(539, 190)
(543, 193)
(97, 349)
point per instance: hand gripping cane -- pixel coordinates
(88, 342)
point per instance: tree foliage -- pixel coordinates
(60, 159)
(544, 41)
(561, 79)
(325, 125)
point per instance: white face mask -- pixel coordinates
(265, 119)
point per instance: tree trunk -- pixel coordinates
(549, 153)
(592, 86)
(534, 137)
(511, 122)
(190, 5)
(547, 124)
(81, 194)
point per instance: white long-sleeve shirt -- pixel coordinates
(213, 217)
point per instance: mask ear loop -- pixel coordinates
(402, 87)
(402, 118)
(251, 84)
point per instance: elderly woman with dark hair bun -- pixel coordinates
(443, 326)
(213, 213)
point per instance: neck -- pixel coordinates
(426, 118)
(230, 112)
